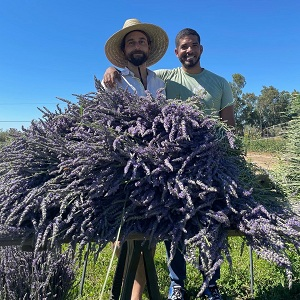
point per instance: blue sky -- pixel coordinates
(51, 49)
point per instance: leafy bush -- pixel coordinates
(7, 136)
(272, 145)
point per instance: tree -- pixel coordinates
(237, 85)
(6, 136)
(272, 107)
(245, 104)
(249, 114)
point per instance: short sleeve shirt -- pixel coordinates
(213, 89)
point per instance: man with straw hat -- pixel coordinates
(134, 48)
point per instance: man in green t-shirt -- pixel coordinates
(182, 83)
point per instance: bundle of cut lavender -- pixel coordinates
(155, 166)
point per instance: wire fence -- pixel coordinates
(26, 113)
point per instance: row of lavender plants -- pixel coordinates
(42, 275)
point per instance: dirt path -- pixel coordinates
(264, 160)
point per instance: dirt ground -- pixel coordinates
(264, 160)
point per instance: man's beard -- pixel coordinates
(137, 61)
(188, 64)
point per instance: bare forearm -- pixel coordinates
(110, 76)
(227, 115)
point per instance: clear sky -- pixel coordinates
(54, 48)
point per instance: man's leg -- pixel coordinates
(177, 267)
(216, 277)
(177, 273)
(140, 278)
(139, 281)
(140, 275)
(212, 291)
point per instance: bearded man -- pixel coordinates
(134, 48)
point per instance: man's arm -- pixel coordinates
(110, 76)
(227, 115)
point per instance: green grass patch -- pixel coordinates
(269, 280)
(276, 144)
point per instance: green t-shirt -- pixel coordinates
(215, 90)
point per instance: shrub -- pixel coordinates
(272, 145)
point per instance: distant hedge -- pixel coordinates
(273, 144)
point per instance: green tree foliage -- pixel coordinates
(4, 136)
(8, 135)
(237, 85)
(272, 107)
(244, 104)
(249, 114)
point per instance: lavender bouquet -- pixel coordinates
(151, 165)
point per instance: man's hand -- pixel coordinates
(110, 76)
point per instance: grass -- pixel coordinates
(269, 280)
(272, 145)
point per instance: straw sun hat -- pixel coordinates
(158, 37)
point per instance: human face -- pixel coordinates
(136, 48)
(189, 51)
